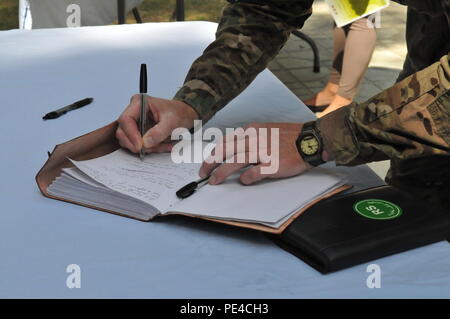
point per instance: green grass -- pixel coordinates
(161, 10)
(150, 10)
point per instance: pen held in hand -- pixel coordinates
(57, 113)
(143, 109)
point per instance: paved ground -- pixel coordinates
(293, 65)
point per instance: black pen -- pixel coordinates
(65, 109)
(190, 188)
(143, 110)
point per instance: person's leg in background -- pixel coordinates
(359, 46)
(323, 98)
(353, 46)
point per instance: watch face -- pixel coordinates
(309, 145)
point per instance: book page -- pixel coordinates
(268, 202)
(153, 181)
(76, 186)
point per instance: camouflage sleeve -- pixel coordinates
(249, 35)
(409, 120)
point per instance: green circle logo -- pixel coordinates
(377, 209)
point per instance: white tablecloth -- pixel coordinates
(42, 70)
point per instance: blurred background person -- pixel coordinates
(353, 46)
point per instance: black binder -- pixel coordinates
(351, 229)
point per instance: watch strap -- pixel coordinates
(311, 128)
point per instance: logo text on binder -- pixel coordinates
(377, 209)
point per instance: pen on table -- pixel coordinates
(190, 188)
(143, 110)
(57, 113)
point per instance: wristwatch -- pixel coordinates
(309, 144)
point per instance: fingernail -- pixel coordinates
(212, 180)
(202, 174)
(148, 141)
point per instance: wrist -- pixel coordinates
(334, 131)
(187, 113)
(309, 144)
(326, 157)
(200, 97)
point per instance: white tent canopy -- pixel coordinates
(24, 15)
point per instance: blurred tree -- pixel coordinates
(150, 10)
(162, 10)
(9, 12)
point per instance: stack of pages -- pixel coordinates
(120, 182)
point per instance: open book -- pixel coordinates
(119, 182)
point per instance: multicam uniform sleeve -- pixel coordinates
(249, 35)
(409, 120)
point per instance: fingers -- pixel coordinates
(124, 141)
(160, 148)
(225, 170)
(158, 133)
(130, 129)
(253, 175)
(129, 132)
(230, 145)
(211, 163)
(164, 115)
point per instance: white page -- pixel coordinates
(268, 201)
(156, 180)
(67, 187)
(153, 181)
(285, 218)
(79, 175)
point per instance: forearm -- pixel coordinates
(248, 37)
(408, 120)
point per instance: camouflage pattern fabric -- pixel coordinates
(408, 123)
(249, 36)
(251, 33)
(427, 34)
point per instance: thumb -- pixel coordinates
(157, 134)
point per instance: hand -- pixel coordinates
(167, 115)
(284, 156)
